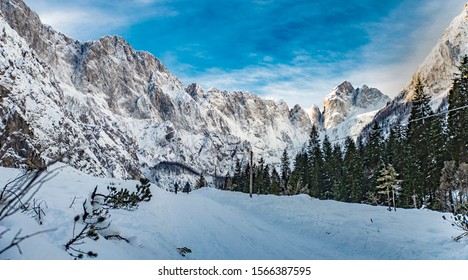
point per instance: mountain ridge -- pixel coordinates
(118, 112)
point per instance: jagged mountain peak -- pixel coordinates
(366, 97)
(119, 112)
(345, 100)
(343, 89)
(297, 114)
(316, 116)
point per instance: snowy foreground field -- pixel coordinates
(223, 225)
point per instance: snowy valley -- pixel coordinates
(225, 225)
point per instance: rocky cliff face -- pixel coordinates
(337, 104)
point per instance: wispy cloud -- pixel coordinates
(91, 19)
(82, 24)
(400, 42)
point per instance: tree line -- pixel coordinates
(420, 162)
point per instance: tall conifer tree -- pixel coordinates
(315, 159)
(285, 171)
(416, 170)
(328, 168)
(458, 118)
(352, 173)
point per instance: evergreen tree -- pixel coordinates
(352, 173)
(416, 166)
(394, 147)
(237, 179)
(258, 177)
(266, 180)
(275, 182)
(246, 179)
(315, 164)
(458, 118)
(338, 190)
(371, 154)
(285, 171)
(436, 147)
(448, 187)
(299, 174)
(453, 190)
(374, 148)
(201, 183)
(388, 185)
(261, 178)
(329, 165)
(297, 187)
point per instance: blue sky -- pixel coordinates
(294, 50)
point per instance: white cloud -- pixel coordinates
(92, 19)
(82, 24)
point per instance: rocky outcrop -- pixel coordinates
(316, 116)
(17, 145)
(337, 104)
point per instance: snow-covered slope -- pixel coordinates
(217, 224)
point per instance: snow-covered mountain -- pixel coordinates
(347, 110)
(112, 111)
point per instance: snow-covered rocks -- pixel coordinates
(436, 72)
(118, 112)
